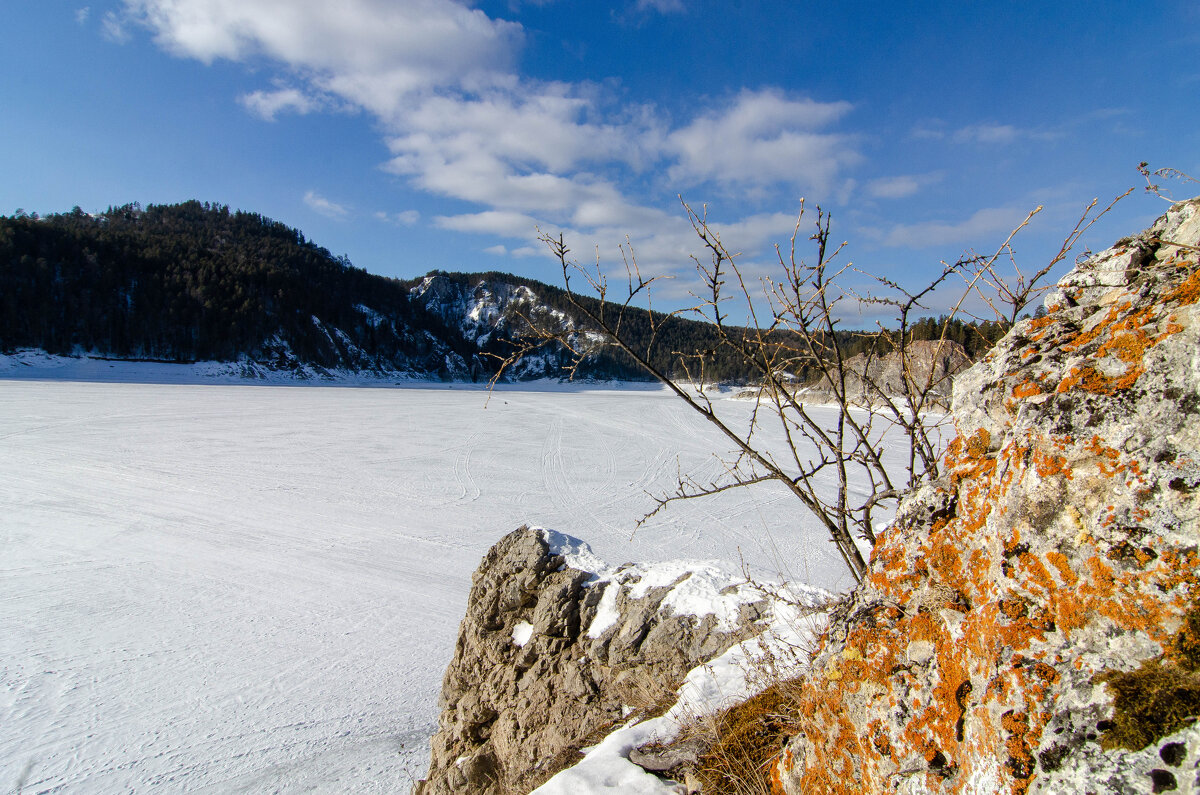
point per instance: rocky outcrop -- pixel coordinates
(555, 648)
(1019, 612)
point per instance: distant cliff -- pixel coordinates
(928, 366)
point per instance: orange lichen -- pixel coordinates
(1050, 464)
(1020, 762)
(968, 458)
(1186, 293)
(1036, 329)
(1124, 335)
(1060, 562)
(992, 602)
(1027, 388)
(1109, 458)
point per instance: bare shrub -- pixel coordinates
(1162, 173)
(795, 326)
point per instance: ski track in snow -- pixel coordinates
(247, 588)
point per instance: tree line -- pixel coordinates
(198, 281)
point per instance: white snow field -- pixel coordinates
(219, 588)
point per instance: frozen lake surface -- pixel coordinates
(257, 588)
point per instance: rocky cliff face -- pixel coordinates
(556, 648)
(492, 315)
(1036, 609)
(927, 365)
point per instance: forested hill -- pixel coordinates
(197, 281)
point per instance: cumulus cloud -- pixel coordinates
(498, 174)
(266, 105)
(538, 126)
(323, 206)
(460, 123)
(764, 138)
(371, 52)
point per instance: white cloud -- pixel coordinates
(764, 138)
(81, 14)
(497, 222)
(984, 133)
(974, 230)
(325, 207)
(931, 130)
(893, 187)
(900, 186)
(497, 250)
(268, 104)
(543, 126)
(490, 172)
(758, 232)
(113, 27)
(527, 149)
(373, 53)
(460, 123)
(402, 218)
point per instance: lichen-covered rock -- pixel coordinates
(549, 654)
(1061, 544)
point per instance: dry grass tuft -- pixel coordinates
(1161, 696)
(646, 691)
(746, 739)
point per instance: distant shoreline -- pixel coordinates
(37, 365)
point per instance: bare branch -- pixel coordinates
(797, 352)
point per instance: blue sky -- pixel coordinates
(420, 134)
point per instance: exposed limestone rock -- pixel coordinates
(1062, 544)
(548, 656)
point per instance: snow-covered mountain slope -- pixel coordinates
(493, 314)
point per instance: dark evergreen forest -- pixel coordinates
(197, 281)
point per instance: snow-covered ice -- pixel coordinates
(246, 588)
